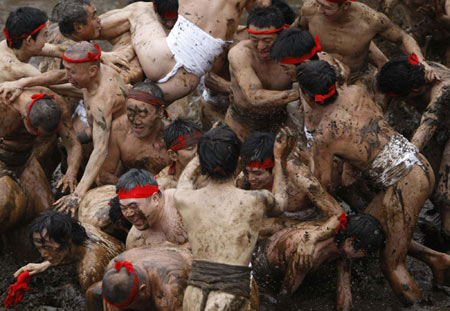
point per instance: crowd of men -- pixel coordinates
(161, 212)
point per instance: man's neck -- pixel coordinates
(22, 54)
(156, 131)
(178, 169)
(95, 82)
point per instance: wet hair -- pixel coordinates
(265, 17)
(24, 20)
(133, 178)
(60, 227)
(365, 229)
(289, 14)
(45, 113)
(178, 128)
(315, 78)
(293, 42)
(115, 213)
(80, 50)
(163, 6)
(258, 147)
(149, 87)
(218, 151)
(399, 76)
(118, 285)
(71, 12)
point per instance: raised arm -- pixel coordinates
(189, 175)
(217, 83)
(240, 65)
(433, 114)
(107, 172)
(102, 117)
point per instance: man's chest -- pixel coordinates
(151, 156)
(272, 76)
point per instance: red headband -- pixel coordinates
(168, 14)
(138, 192)
(339, 1)
(147, 98)
(35, 98)
(342, 223)
(268, 32)
(321, 98)
(414, 60)
(268, 163)
(25, 35)
(185, 141)
(294, 60)
(17, 290)
(129, 266)
(90, 58)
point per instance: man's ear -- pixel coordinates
(77, 27)
(93, 70)
(173, 155)
(347, 4)
(162, 110)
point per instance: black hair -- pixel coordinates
(163, 6)
(289, 14)
(60, 227)
(46, 114)
(365, 229)
(258, 147)
(399, 76)
(135, 177)
(265, 17)
(117, 286)
(218, 151)
(316, 78)
(115, 213)
(149, 87)
(293, 42)
(24, 20)
(178, 128)
(71, 12)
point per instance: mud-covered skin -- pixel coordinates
(166, 270)
(353, 129)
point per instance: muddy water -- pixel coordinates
(370, 290)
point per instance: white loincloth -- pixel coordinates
(193, 49)
(394, 162)
(309, 137)
(80, 111)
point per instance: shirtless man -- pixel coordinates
(136, 139)
(62, 240)
(151, 211)
(189, 51)
(224, 237)
(24, 186)
(181, 137)
(104, 95)
(404, 78)
(161, 278)
(258, 99)
(281, 262)
(348, 124)
(346, 29)
(428, 22)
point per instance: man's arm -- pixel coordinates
(250, 85)
(217, 83)
(431, 117)
(344, 292)
(251, 4)
(438, 10)
(53, 50)
(376, 56)
(102, 117)
(115, 22)
(107, 172)
(189, 175)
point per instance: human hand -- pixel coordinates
(67, 182)
(68, 204)
(33, 268)
(430, 73)
(284, 142)
(9, 91)
(303, 257)
(113, 59)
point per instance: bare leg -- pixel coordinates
(13, 204)
(442, 193)
(180, 85)
(398, 208)
(438, 262)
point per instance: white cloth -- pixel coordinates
(80, 111)
(193, 49)
(394, 162)
(309, 137)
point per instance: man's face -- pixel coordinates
(36, 46)
(259, 178)
(142, 117)
(262, 43)
(49, 249)
(350, 252)
(186, 155)
(78, 74)
(91, 30)
(328, 9)
(132, 210)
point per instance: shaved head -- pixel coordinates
(81, 50)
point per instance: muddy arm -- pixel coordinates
(189, 175)
(376, 56)
(107, 173)
(344, 292)
(217, 83)
(53, 50)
